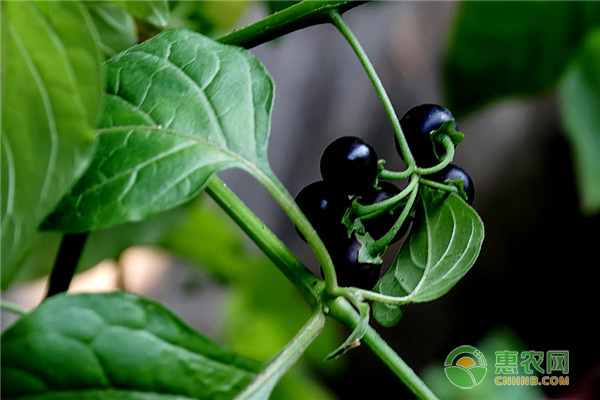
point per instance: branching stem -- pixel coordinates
(345, 30)
(290, 19)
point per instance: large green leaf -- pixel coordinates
(444, 244)
(115, 346)
(512, 48)
(51, 90)
(580, 102)
(179, 108)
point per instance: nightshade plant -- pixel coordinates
(178, 108)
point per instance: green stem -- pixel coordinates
(341, 25)
(373, 210)
(448, 157)
(293, 18)
(12, 307)
(261, 386)
(438, 185)
(392, 175)
(289, 206)
(386, 239)
(298, 274)
(266, 240)
(343, 311)
(381, 298)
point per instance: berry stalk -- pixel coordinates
(385, 240)
(341, 25)
(372, 210)
(448, 157)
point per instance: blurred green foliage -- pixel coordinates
(507, 49)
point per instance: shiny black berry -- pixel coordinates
(453, 172)
(381, 224)
(416, 124)
(324, 208)
(351, 272)
(349, 164)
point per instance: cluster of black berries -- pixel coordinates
(349, 168)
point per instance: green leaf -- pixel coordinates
(444, 243)
(580, 102)
(179, 108)
(512, 48)
(115, 346)
(155, 12)
(51, 90)
(115, 27)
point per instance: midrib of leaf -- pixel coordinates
(201, 91)
(432, 266)
(241, 161)
(462, 256)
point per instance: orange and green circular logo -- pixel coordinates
(465, 367)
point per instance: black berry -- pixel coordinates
(349, 164)
(381, 224)
(351, 272)
(453, 172)
(324, 207)
(416, 124)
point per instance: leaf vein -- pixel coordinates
(44, 95)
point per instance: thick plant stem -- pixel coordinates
(266, 240)
(293, 18)
(71, 247)
(342, 310)
(338, 308)
(286, 201)
(340, 24)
